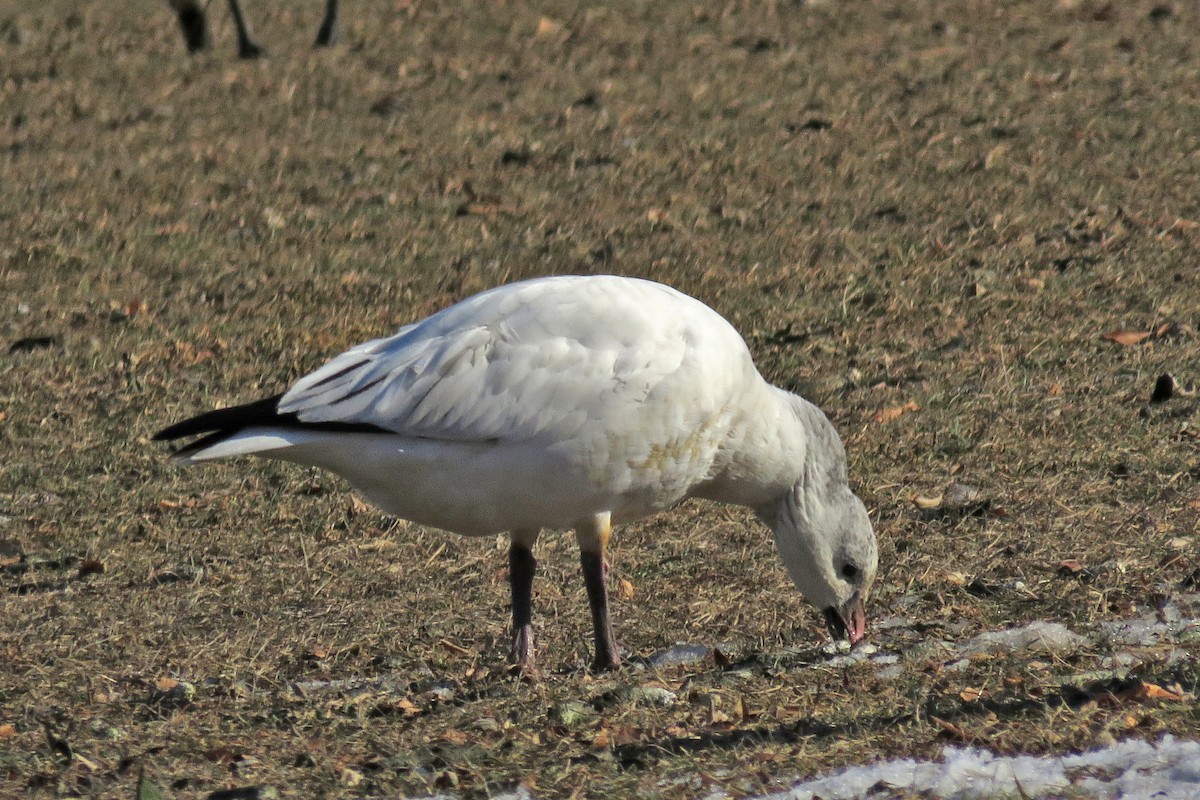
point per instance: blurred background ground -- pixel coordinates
(925, 217)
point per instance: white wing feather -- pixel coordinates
(523, 361)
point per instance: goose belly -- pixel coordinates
(482, 488)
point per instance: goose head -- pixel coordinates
(828, 547)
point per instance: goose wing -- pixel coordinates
(536, 359)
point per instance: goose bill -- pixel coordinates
(849, 621)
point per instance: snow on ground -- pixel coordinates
(1131, 770)
(1168, 770)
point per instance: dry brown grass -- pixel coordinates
(894, 202)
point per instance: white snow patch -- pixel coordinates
(1168, 770)
(680, 653)
(1036, 637)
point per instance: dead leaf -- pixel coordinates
(407, 707)
(454, 736)
(886, 415)
(971, 694)
(190, 355)
(1133, 691)
(624, 589)
(1143, 692)
(1055, 390)
(956, 731)
(548, 28)
(656, 215)
(602, 740)
(1069, 567)
(716, 715)
(955, 578)
(7, 731)
(958, 500)
(1127, 338)
(720, 658)
(165, 684)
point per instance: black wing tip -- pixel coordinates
(224, 421)
(176, 431)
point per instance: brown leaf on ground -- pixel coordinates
(624, 589)
(7, 731)
(1127, 338)
(406, 707)
(454, 736)
(548, 28)
(886, 415)
(955, 731)
(957, 500)
(1143, 692)
(603, 739)
(1070, 566)
(1133, 691)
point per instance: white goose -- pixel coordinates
(569, 402)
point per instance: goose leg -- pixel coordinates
(328, 33)
(521, 568)
(192, 23)
(247, 47)
(593, 539)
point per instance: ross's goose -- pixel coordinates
(569, 402)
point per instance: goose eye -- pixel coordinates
(849, 572)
